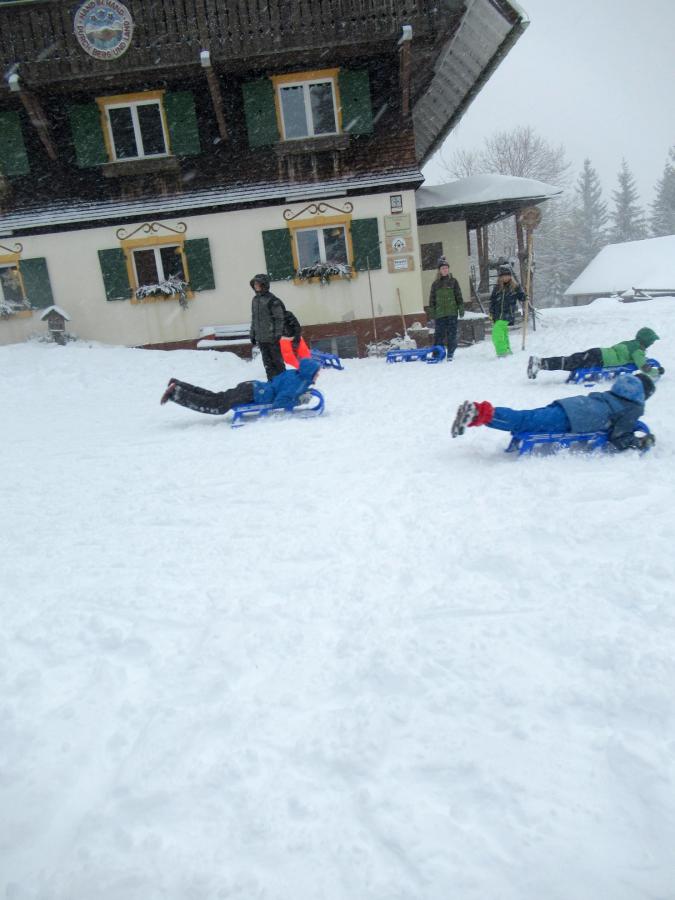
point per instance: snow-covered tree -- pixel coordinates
(662, 219)
(628, 220)
(586, 230)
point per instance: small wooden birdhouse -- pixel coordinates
(56, 322)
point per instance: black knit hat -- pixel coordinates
(443, 262)
(504, 270)
(647, 384)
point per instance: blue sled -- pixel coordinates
(433, 354)
(590, 375)
(525, 441)
(245, 411)
(327, 360)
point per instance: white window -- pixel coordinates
(325, 245)
(308, 108)
(11, 289)
(136, 129)
(154, 265)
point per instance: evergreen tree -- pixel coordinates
(627, 218)
(663, 208)
(586, 231)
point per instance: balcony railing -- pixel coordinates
(39, 36)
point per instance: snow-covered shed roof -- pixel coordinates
(480, 199)
(56, 309)
(647, 265)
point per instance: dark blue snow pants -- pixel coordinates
(445, 334)
(550, 419)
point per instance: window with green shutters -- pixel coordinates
(260, 113)
(199, 263)
(366, 245)
(115, 277)
(278, 254)
(181, 118)
(85, 127)
(357, 111)
(36, 284)
(13, 156)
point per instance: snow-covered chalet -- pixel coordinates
(156, 155)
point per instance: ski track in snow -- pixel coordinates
(335, 657)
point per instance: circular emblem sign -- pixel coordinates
(104, 28)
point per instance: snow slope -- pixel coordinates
(344, 657)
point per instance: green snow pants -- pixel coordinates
(500, 337)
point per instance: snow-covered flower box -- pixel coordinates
(324, 272)
(164, 290)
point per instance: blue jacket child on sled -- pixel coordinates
(283, 390)
(615, 411)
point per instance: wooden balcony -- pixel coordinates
(240, 34)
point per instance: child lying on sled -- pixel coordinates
(285, 389)
(630, 351)
(615, 411)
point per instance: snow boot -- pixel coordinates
(533, 366)
(484, 413)
(170, 388)
(466, 413)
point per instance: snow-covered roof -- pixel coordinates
(478, 189)
(56, 309)
(648, 264)
(72, 212)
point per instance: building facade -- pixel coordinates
(155, 156)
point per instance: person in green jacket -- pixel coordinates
(445, 304)
(618, 355)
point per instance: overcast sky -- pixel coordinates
(597, 76)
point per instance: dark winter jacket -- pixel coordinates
(630, 351)
(616, 410)
(292, 328)
(503, 301)
(267, 314)
(288, 386)
(445, 298)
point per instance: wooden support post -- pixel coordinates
(528, 219)
(405, 67)
(39, 121)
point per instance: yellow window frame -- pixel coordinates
(321, 222)
(130, 100)
(14, 259)
(130, 244)
(280, 81)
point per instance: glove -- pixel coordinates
(461, 312)
(645, 441)
(660, 370)
(295, 343)
(253, 342)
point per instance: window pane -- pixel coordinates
(146, 267)
(10, 286)
(308, 247)
(123, 132)
(336, 244)
(152, 135)
(293, 111)
(172, 264)
(323, 114)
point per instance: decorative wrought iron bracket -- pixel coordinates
(318, 209)
(150, 228)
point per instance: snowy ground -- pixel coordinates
(335, 658)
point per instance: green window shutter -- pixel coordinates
(278, 254)
(181, 118)
(260, 112)
(36, 282)
(115, 277)
(366, 244)
(13, 156)
(199, 264)
(357, 112)
(85, 127)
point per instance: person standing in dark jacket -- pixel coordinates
(615, 411)
(445, 304)
(503, 304)
(267, 325)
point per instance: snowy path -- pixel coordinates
(335, 658)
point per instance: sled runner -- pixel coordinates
(327, 360)
(433, 354)
(525, 441)
(244, 411)
(590, 375)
